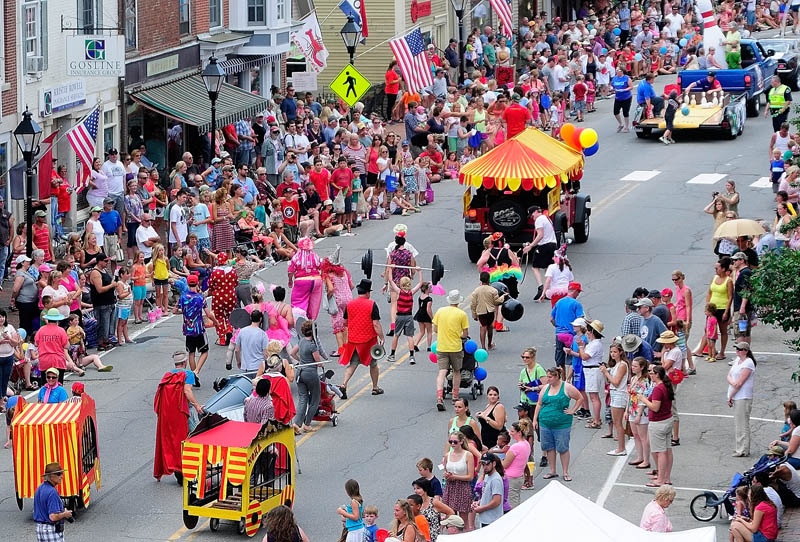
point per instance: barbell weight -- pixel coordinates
(437, 267)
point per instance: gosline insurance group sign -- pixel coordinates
(96, 56)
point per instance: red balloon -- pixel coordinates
(433, 358)
(381, 535)
(577, 176)
(576, 139)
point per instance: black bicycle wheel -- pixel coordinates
(702, 510)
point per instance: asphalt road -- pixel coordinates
(641, 231)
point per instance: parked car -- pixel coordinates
(786, 54)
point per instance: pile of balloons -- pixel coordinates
(480, 355)
(580, 139)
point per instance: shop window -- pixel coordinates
(184, 10)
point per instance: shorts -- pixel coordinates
(161, 282)
(557, 439)
(750, 17)
(718, 315)
(675, 416)
(196, 343)
(449, 360)
(348, 205)
(624, 106)
(795, 8)
(355, 361)
(595, 382)
(669, 120)
(580, 106)
(758, 536)
(660, 435)
(132, 227)
(404, 323)
(543, 255)
(139, 293)
(203, 244)
(123, 313)
(619, 398)
(486, 320)
(452, 144)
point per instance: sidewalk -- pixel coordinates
(791, 525)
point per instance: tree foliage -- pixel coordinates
(775, 293)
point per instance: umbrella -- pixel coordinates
(740, 227)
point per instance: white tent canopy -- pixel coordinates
(558, 513)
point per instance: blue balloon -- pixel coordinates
(663, 50)
(617, 31)
(604, 51)
(683, 42)
(590, 26)
(22, 333)
(470, 346)
(181, 285)
(685, 110)
(433, 346)
(481, 355)
(545, 101)
(591, 151)
(480, 374)
(637, 57)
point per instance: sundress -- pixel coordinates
(222, 237)
(342, 296)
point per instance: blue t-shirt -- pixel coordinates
(46, 501)
(567, 309)
(645, 351)
(644, 92)
(110, 221)
(200, 212)
(370, 532)
(436, 486)
(619, 83)
(189, 375)
(578, 380)
(57, 395)
(776, 167)
(289, 107)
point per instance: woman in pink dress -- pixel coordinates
(305, 279)
(339, 284)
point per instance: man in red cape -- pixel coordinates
(363, 332)
(172, 408)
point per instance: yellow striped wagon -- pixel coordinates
(236, 471)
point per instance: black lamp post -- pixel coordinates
(213, 76)
(459, 6)
(351, 35)
(27, 135)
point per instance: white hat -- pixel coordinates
(454, 297)
(578, 322)
(21, 258)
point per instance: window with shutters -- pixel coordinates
(32, 25)
(185, 10)
(90, 16)
(131, 24)
(214, 13)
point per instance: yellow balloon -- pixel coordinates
(514, 184)
(588, 138)
(24, 346)
(550, 181)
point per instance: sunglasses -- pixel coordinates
(454, 442)
(525, 357)
(52, 377)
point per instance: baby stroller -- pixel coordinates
(468, 380)
(327, 401)
(707, 505)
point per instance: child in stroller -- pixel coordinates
(468, 380)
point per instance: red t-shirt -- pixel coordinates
(321, 181)
(64, 200)
(516, 116)
(580, 92)
(342, 179)
(665, 412)
(392, 82)
(291, 210)
(769, 521)
(435, 157)
(51, 341)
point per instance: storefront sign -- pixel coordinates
(420, 9)
(61, 98)
(304, 81)
(96, 56)
(162, 65)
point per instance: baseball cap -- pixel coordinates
(488, 457)
(191, 280)
(666, 292)
(575, 286)
(215, 161)
(40, 213)
(108, 201)
(112, 150)
(405, 143)
(78, 388)
(654, 294)
(44, 268)
(327, 202)
(776, 450)
(52, 370)
(645, 302)
(21, 258)
(739, 256)
(578, 322)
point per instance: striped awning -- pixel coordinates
(531, 159)
(241, 63)
(186, 100)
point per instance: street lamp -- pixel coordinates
(213, 76)
(459, 6)
(27, 135)
(351, 35)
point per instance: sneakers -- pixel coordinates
(665, 140)
(390, 359)
(539, 292)
(412, 361)
(543, 461)
(440, 405)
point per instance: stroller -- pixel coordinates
(707, 505)
(468, 380)
(327, 400)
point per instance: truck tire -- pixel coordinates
(507, 216)
(754, 106)
(474, 251)
(644, 133)
(581, 230)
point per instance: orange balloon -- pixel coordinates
(567, 132)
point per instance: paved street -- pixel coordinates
(641, 231)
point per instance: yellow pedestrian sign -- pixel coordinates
(350, 85)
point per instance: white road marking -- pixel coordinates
(762, 182)
(642, 486)
(133, 335)
(727, 416)
(640, 175)
(613, 475)
(707, 178)
(788, 354)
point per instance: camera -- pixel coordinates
(714, 194)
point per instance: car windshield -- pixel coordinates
(777, 46)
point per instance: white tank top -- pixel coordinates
(457, 466)
(97, 230)
(781, 143)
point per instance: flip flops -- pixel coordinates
(377, 391)
(550, 475)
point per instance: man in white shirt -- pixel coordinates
(675, 21)
(251, 344)
(146, 237)
(178, 228)
(115, 171)
(561, 75)
(544, 245)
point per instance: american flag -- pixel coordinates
(503, 10)
(82, 138)
(410, 54)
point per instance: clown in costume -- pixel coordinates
(305, 279)
(503, 266)
(339, 285)
(222, 287)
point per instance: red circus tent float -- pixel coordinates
(531, 159)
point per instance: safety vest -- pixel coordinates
(777, 97)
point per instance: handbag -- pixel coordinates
(628, 429)
(338, 203)
(391, 183)
(429, 195)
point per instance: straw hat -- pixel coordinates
(667, 337)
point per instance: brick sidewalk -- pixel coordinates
(790, 530)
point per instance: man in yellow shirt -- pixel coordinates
(450, 324)
(733, 48)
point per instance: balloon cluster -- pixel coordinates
(580, 139)
(480, 355)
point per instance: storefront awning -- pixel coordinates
(186, 100)
(242, 63)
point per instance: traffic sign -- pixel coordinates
(350, 85)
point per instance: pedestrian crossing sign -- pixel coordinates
(350, 85)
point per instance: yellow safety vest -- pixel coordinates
(777, 97)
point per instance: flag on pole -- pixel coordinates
(83, 139)
(45, 161)
(356, 10)
(409, 51)
(309, 40)
(503, 10)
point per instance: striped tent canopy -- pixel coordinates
(531, 159)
